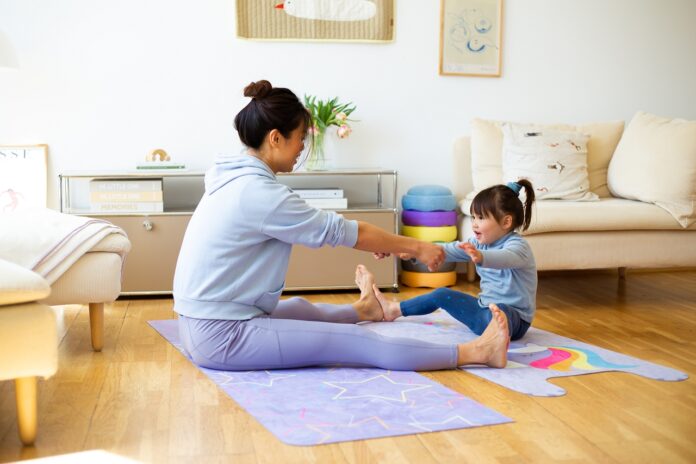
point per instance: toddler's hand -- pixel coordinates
(380, 255)
(470, 249)
(405, 256)
(431, 255)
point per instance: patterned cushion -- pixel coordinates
(554, 161)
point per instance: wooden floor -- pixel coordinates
(141, 399)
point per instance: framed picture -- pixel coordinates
(316, 20)
(22, 176)
(471, 33)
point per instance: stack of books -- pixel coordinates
(126, 195)
(323, 198)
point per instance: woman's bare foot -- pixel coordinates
(367, 307)
(491, 347)
(391, 309)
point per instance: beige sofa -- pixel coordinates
(613, 232)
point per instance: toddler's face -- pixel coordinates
(487, 229)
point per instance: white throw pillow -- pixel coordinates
(487, 151)
(655, 162)
(554, 161)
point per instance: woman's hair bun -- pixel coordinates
(258, 89)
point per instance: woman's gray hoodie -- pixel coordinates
(235, 252)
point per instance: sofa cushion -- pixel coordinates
(20, 285)
(487, 149)
(555, 162)
(656, 162)
(605, 214)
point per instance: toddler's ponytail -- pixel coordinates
(529, 199)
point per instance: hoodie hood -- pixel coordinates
(230, 167)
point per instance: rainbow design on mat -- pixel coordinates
(532, 361)
(563, 358)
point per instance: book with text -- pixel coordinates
(328, 192)
(128, 207)
(127, 196)
(327, 203)
(125, 185)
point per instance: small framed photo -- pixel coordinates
(471, 33)
(22, 177)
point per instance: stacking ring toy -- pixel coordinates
(429, 198)
(429, 203)
(414, 265)
(431, 234)
(429, 218)
(431, 280)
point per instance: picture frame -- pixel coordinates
(308, 20)
(23, 176)
(471, 38)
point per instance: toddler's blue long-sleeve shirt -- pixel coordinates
(508, 272)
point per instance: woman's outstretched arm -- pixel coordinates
(372, 238)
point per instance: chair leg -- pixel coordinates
(25, 393)
(96, 324)
(470, 272)
(622, 273)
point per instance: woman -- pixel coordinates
(234, 257)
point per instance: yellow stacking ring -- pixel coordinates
(428, 279)
(431, 234)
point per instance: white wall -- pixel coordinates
(105, 82)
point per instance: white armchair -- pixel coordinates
(28, 340)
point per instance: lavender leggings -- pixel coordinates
(301, 334)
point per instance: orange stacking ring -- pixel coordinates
(429, 279)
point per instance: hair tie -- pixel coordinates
(514, 186)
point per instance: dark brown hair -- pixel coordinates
(270, 108)
(500, 200)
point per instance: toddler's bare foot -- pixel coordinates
(367, 307)
(392, 309)
(491, 347)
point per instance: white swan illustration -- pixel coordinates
(330, 10)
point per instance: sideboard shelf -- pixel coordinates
(156, 236)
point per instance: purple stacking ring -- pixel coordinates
(429, 218)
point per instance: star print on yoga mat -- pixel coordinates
(260, 378)
(326, 405)
(377, 387)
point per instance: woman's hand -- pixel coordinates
(472, 251)
(431, 255)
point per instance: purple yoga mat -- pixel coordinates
(324, 405)
(429, 218)
(532, 360)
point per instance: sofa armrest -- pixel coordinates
(20, 285)
(461, 164)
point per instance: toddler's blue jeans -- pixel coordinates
(465, 308)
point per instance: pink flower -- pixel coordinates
(344, 131)
(341, 116)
